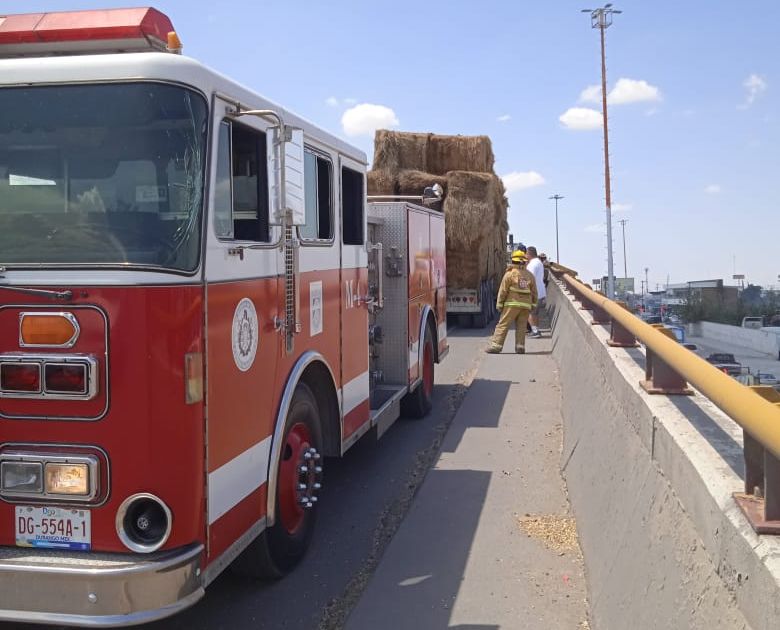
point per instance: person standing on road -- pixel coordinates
(516, 298)
(536, 267)
(546, 265)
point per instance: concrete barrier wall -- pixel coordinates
(766, 342)
(650, 481)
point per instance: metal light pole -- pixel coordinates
(557, 250)
(602, 19)
(647, 284)
(625, 263)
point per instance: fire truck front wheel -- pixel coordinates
(280, 547)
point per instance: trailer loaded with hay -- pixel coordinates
(473, 201)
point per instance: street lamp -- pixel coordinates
(602, 19)
(557, 250)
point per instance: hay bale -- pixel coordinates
(431, 153)
(411, 182)
(396, 151)
(407, 182)
(381, 182)
(470, 206)
(476, 228)
(459, 153)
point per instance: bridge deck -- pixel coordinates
(490, 540)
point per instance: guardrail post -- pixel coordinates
(660, 377)
(760, 503)
(620, 337)
(600, 316)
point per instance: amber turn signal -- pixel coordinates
(57, 330)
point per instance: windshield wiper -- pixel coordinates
(66, 295)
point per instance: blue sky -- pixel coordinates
(694, 128)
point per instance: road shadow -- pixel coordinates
(419, 588)
(480, 409)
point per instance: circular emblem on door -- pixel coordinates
(245, 334)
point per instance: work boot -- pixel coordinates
(520, 349)
(493, 350)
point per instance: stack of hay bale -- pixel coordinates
(475, 203)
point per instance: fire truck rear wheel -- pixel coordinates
(418, 403)
(280, 547)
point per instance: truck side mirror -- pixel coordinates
(285, 174)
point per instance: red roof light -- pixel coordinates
(115, 29)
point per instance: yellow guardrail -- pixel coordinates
(757, 416)
(669, 368)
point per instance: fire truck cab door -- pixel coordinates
(354, 283)
(242, 301)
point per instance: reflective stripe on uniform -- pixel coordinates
(518, 304)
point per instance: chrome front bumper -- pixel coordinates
(97, 590)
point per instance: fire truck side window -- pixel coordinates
(241, 195)
(317, 175)
(352, 206)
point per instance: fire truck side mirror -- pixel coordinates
(285, 175)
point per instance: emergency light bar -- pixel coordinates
(78, 32)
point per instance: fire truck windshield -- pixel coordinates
(108, 174)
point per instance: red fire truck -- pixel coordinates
(197, 305)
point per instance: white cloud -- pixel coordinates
(625, 91)
(621, 207)
(712, 189)
(595, 228)
(518, 180)
(364, 119)
(591, 94)
(632, 91)
(754, 86)
(332, 101)
(581, 118)
(504, 118)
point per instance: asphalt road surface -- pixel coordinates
(365, 497)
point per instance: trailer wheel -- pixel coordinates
(418, 403)
(280, 547)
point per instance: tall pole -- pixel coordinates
(647, 285)
(557, 249)
(625, 263)
(602, 19)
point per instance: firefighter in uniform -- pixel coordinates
(516, 297)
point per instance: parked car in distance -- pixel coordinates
(752, 322)
(725, 361)
(764, 378)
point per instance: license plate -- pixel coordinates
(53, 527)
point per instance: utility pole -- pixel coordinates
(602, 19)
(625, 264)
(557, 250)
(647, 284)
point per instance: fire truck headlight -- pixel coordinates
(24, 477)
(71, 479)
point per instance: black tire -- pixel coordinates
(417, 404)
(479, 321)
(281, 547)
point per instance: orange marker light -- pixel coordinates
(174, 43)
(48, 329)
